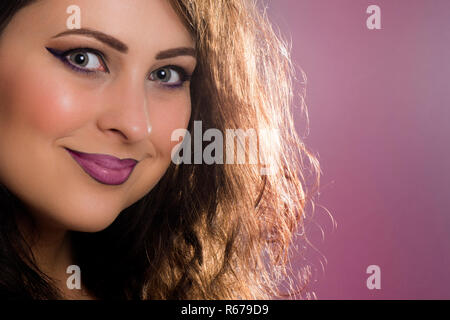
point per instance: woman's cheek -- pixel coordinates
(165, 118)
(52, 105)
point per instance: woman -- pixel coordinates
(87, 117)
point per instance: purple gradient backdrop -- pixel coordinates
(378, 103)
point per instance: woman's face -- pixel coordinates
(111, 97)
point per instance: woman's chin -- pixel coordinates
(91, 221)
(75, 218)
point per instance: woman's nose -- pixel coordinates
(125, 111)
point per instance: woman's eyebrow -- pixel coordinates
(122, 47)
(175, 52)
(100, 36)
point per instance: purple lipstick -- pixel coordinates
(104, 168)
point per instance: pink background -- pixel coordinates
(378, 103)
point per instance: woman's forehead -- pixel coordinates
(136, 23)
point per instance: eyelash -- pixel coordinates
(62, 55)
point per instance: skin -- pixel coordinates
(46, 106)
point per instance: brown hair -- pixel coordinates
(244, 221)
(204, 231)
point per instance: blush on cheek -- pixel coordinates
(165, 119)
(45, 103)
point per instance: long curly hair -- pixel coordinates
(205, 231)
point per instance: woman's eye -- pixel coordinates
(170, 76)
(85, 60)
(88, 60)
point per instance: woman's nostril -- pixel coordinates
(119, 132)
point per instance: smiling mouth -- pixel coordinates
(104, 168)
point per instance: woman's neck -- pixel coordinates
(52, 250)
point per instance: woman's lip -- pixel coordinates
(105, 160)
(104, 168)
